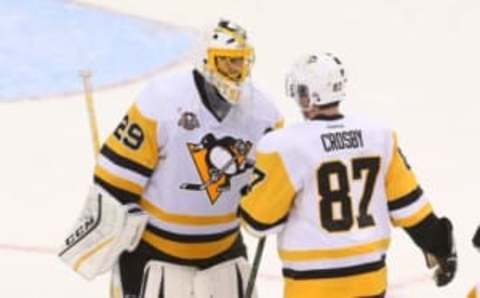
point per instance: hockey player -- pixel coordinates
(168, 181)
(330, 186)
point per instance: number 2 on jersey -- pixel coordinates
(129, 133)
(339, 193)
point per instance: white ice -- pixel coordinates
(412, 63)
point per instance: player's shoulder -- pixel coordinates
(165, 94)
(369, 123)
(261, 107)
(279, 140)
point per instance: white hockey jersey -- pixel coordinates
(183, 166)
(330, 188)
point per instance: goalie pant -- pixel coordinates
(165, 280)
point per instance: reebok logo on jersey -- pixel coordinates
(217, 160)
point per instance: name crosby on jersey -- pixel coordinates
(351, 139)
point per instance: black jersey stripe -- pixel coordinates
(123, 196)
(334, 272)
(406, 200)
(189, 238)
(258, 225)
(124, 162)
(237, 250)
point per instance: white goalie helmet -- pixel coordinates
(316, 80)
(228, 60)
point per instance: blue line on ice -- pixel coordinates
(44, 44)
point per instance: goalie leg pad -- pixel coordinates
(227, 279)
(116, 288)
(103, 231)
(166, 280)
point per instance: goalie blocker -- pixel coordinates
(104, 230)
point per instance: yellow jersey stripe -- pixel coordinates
(189, 251)
(323, 254)
(186, 219)
(400, 180)
(415, 218)
(118, 181)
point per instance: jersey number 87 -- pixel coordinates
(340, 194)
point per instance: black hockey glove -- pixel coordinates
(476, 239)
(444, 260)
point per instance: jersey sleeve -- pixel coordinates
(407, 203)
(128, 157)
(265, 208)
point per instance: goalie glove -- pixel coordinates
(104, 230)
(444, 260)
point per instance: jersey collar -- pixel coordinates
(328, 117)
(222, 104)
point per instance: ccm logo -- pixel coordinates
(80, 231)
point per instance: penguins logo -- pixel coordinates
(217, 160)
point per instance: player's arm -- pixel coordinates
(410, 209)
(265, 208)
(111, 220)
(128, 157)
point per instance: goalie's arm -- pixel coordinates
(128, 157)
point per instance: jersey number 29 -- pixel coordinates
(334, 190)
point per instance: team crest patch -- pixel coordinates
(189, 121)
(216, 161)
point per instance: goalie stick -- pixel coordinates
(92, 118)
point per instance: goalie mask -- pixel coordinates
(228, 61)
(316, 80)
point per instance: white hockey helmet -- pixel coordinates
(228, 60)
(316, 80)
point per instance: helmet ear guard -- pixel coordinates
(316, 80)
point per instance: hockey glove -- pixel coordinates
(445, 260)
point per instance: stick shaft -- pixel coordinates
(92, 118)
(255, 266)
